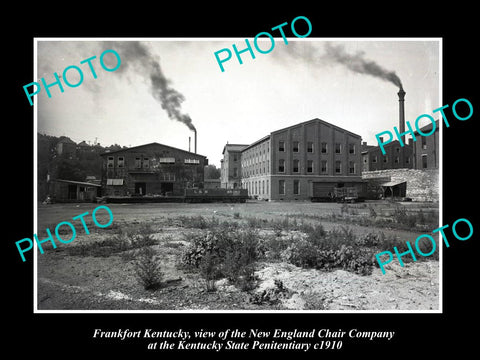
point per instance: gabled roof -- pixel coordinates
(139, 147)
(317, 120)
(301, 124)
(234, 147)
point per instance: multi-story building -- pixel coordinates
(305, 160)
(426, 149)
(230, 169)
(396, 156)
(151, 169)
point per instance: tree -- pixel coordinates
(211, 172)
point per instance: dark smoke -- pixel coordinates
(359, 64)
(137, 55)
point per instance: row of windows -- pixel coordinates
(256, 151)
(396, 159)
(260, 187)
(323, 166)
(311, 149)
(144, 162)
(262, 167)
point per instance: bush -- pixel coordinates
(330, 250)
(400, 215)
(225, 252)
(148, 268)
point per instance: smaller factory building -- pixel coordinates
(231, 167)
(151, 169)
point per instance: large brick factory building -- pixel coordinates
(302, 161)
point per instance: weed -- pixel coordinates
(148, 268)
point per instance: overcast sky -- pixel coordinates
(291, 84)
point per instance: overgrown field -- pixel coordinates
(218, 257)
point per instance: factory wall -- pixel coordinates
(422, 185)
(152, 169)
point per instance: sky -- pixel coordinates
(293, 83)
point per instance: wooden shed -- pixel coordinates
(72, 191)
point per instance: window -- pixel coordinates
(281, 165)
(114, 181)
(146, 163)
(396, 160)
(189, 161)
(235, 172)
(267, 186)
(296, 187)
(235, 158)
(424, 143)
(338, 148)
(295, 146)
(121, 162)
(263, 186)
(324, 148)
(424, 161)
(281, 145)
(138, 163)
(296, 165)
(351, 167)
(385, 158)
(407, 160)
(281, 187)
(309, 166)
(167, 177)
(323, 168)
(338, 167)
(374, 159)
(310, 147)
(351, 148)
(110, 162)
(167, 160)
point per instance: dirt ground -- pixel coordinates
(79, 282)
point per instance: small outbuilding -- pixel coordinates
(72, 191)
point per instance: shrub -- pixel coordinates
(209, 267)
(148, 268)
(330, 250)
(400, 215)
(224, 252)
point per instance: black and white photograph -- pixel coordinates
(218, 180)
(254, 186)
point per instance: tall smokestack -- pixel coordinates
(401, 114)
(195, 139)
(189, 138)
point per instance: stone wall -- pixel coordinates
(422, 185)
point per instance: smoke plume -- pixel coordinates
(357, 63)
(137, 55)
